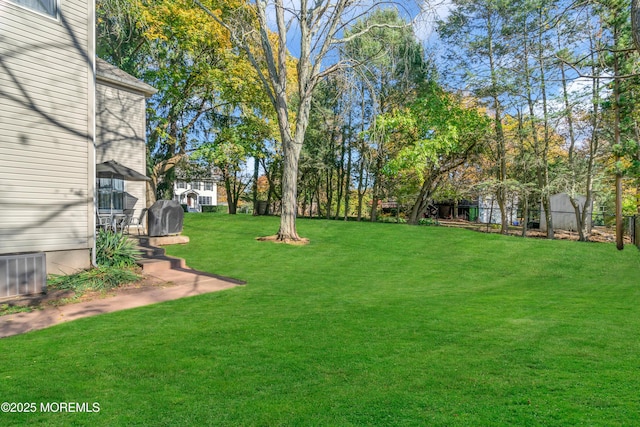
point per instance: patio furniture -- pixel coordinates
(104, 221)
(121, 220)
(137, 222)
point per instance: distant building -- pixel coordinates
(563, 214)
(196, 190)
(489, 211)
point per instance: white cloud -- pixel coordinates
(424, 23)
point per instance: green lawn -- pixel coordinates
(368, 325)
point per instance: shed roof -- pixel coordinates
(111, 74)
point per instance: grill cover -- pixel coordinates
(165, 218)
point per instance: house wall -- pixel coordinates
(46, 133)
(489, 211)
(120, 135)
(562, 213)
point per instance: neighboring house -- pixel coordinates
(461, 209)
(52, 135)
(489, 210)
(196, 193)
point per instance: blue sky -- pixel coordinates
(422, 14)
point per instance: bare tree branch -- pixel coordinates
(587, 76)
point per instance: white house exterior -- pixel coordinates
(489, 210)
(47, 154)
(120, 136)
(52, 136)
(196, 193)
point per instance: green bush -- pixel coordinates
(392, 220)
(115, 250)
(209, 209)
(428, 221)
(96, 279)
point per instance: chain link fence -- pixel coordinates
(562, 220)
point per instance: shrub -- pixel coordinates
(115, 250)
(209, 208)
(392, 220)
(96, 279)
(428, 221)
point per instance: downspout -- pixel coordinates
(92, 32)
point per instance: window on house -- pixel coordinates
(182, 184)
(48, 7)
(208, 186)
(110, 194)
(195, 185)
(204, 200)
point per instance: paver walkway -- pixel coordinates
(169, 285)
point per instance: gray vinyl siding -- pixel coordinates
(46, 128)
(120, 134)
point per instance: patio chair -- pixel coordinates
(137, 222)
(122, 220)
(103, 222)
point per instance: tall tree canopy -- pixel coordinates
(319, 26)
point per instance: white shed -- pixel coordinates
(563, 214)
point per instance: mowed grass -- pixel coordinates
(368, 325)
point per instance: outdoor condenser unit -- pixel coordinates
(22, 274)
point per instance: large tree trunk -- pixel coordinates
(377, 185)
(548, 219)
(232, 199)
(157, 172)
(150, 191)
(501, 197)
(525, 215)
(619, 218)
(374, 202)
(422, 201)
(254, 191)
(287, 231)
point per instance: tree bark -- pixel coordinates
(347, 184)
(635, 23)
(501, 192)
(287, 231)
(420, 205)
(159, 170)
(256, 173)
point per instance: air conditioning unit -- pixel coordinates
(22, 274)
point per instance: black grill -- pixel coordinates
(165, 218)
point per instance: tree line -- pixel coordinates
(517, 100)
